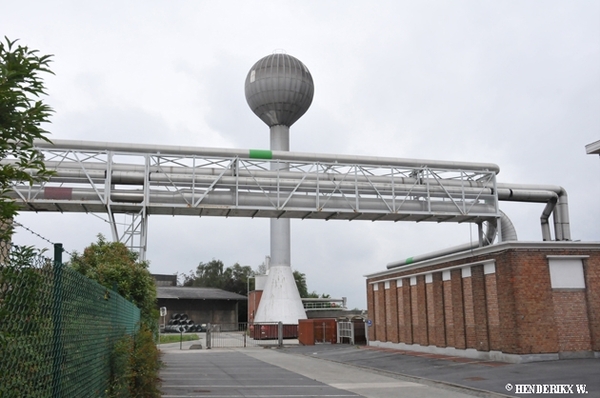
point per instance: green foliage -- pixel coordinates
(237, 278)
(300, 280)
(22, 113)
(145, 363)
(120, 367)
(176, 338)
(57, 328)
(135, 365)
(114, 266)
(135, 362)
(24, 322)
(213, 274)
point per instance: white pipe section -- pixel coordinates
(280, 229)
(508, 233)
(244, 153)
(288, 181)
(266, 201)
(509, 192)
(280, 301)
(562, 229)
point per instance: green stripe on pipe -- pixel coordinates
(408, 260)
(261, 154)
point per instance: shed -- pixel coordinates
(201, 304)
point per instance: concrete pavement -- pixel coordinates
(270, 372)
(575, 377)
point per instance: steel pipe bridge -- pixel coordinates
(140, 180)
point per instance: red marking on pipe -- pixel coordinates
(58, 193)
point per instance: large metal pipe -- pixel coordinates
(562, 228)
(280, 228)
(308, 183)
(508, 234)
(509, 192)
(252, 199)
(167, 150)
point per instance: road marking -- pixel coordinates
(398, 384)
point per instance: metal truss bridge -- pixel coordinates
(140, 180)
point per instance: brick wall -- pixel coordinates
(371, 311)
(480, 315)
(448, 315)
(458, 309)
(534, 312)
(439, 335)
(501, 301)
(591, 268)
(570, 311)
(380, 330)
(391, 300)
(407, 313)
(467, 283)
(491, 301)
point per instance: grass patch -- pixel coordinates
(176, 338)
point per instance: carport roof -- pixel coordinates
(197, 293)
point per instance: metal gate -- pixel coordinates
(352, 332)
(240, 335)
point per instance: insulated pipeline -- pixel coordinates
(167, 150)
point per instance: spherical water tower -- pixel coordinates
(279, 90)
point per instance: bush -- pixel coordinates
(145, 365)
(120, 367)
(135, 364)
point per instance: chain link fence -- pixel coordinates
(58, 329)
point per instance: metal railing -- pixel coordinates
(250, 335)
(324, 303)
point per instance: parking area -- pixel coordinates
(269, 372)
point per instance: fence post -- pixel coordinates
(180, 337)
(280, 334)
(56, 320)
(208, 337)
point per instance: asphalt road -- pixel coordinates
(289, 372)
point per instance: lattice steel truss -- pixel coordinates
(138, 183)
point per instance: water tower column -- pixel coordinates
(280, 228)
(279, 90)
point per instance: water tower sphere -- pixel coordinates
(279, 89)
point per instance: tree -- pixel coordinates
(22, 114)
(207, 275)
(114, 266)
(213, 274)
(237, 278)
(300, 280)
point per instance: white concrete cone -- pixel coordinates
(280, 300)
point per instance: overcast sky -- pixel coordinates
(516, 83)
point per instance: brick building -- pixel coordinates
(514, 301)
